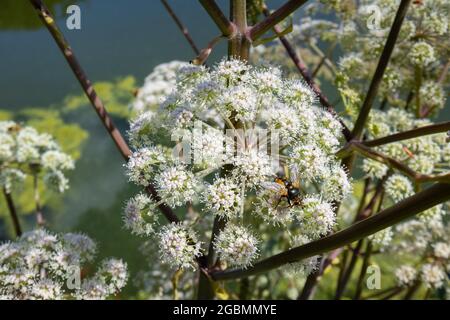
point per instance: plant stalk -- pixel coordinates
(13, 213)
(434, 195)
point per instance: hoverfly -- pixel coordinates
(286, 187)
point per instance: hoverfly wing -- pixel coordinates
(294, 176)
(273, 186)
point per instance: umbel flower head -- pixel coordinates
(44, 266)
(26, 152)
(236, 246)
(232, 130)
(179, 245)
(140, 216)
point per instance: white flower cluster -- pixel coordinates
(221, 122)
(405, 275)
(45, 266)
(24, 151)
(179, 245)
(427, 239)
(157, 86)
(426, 154)
(140, 215)
(361, 30)
(236, 245)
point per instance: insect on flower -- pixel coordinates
(286, 187)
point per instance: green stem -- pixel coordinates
(238, 48)
(37, 200)
(13, 212)
(410, 134)
(239, 45)
(418, 84)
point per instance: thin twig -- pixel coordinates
(13, 212)
(311, 281)
(444, 72)
(346, 274)
(86, 84)
(181, 26)
(436, 194)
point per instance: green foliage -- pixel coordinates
(116, 95)
(70, 137)
(254, 10)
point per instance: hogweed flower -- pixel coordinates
(223, 198)
(405, 275)
(232, 129)
(316, 216)
(42, 265)
(236, 246)
(26, 152)
(140, 215)
(422, 54)
(398, 187)
(179, 246)
(433, 275)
